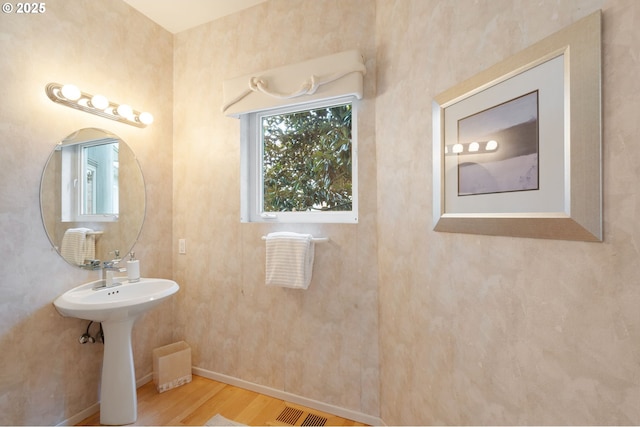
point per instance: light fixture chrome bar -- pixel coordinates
(83, 102)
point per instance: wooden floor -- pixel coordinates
(195, 403)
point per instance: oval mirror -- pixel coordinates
(92, 197)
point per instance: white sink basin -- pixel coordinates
(117, 308)
(115, 303)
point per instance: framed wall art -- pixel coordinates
(517, 148)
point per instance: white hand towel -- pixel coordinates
(90, 240)
(289, 260)
(77, 246)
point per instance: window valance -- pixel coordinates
(322, 78)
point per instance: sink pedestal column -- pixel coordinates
(118, 399)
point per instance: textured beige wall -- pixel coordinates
(46, 376)
(498, 330)
(321, 343)
(535, 332)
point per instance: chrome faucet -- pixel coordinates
(109, 268)
(111, 281)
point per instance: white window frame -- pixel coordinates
(251, 152)
(72, 184)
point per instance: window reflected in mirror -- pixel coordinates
(100, 185)
(90, 184)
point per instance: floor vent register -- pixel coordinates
(290, 416)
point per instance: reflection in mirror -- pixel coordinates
(89, 187)
(100, 179)
(92, 197)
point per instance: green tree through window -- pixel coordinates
(307, 164)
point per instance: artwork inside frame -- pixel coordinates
(487, 166)
(517, 148)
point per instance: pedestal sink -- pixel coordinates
(116, 308)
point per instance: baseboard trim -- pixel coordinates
(81, 415)
(142, 381)
(96, 406)
(290, 397)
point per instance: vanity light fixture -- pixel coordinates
(73, 97)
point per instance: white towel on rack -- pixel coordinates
(77, 245)
(289, 260)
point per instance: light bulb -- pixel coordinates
(473, 147)
(491, 145)
(125, 110)
(100, 102)
(457, 148)
(145, 118)
(71, 92)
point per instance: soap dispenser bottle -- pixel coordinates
(133, 268)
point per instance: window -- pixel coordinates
(299, 163)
